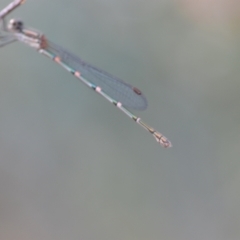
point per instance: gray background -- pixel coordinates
(74, 167)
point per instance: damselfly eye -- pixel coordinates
(15, 25)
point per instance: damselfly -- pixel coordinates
(116, 91)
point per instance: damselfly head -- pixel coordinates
(15, 25)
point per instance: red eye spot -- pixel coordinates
(137, 91)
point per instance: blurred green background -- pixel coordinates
(74, 167)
